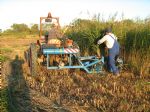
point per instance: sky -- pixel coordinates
(30, 11)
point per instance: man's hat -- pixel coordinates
(108, 30)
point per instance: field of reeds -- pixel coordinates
(133, 36)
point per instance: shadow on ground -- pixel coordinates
(19, 94)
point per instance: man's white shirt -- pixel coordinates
(108, 39)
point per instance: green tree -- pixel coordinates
(34, 29)
(20, 28)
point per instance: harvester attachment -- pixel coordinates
(90, 64)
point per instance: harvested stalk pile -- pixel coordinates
(79, 91)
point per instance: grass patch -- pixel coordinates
(4, 106)
(5, 50)
(19, 36)
(3, 58)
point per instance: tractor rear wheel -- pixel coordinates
(33, 59)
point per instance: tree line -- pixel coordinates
(17, 29)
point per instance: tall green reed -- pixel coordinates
(133, 36)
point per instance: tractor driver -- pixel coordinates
(53, 40)
(54, 32)
(113, 49)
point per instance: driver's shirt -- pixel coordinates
(54, 33)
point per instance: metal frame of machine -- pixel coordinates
(90, 64)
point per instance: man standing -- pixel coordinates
(113, 49)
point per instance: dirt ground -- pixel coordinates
(71, 91)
